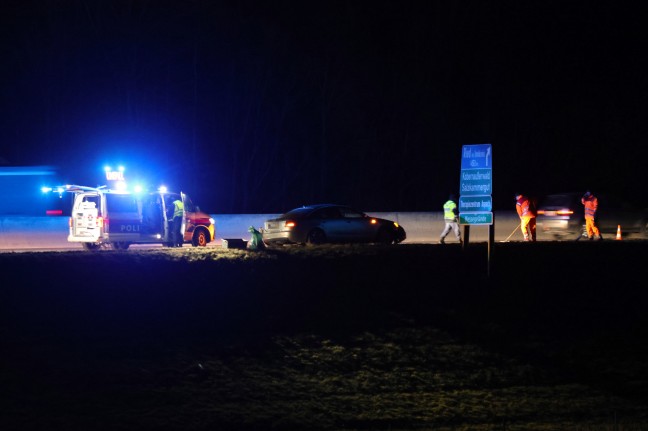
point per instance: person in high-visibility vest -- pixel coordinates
(451, 219)
(591, 206)
(178, 212)
(526, 211)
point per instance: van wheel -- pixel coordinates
(200, 238)
(90, 246)
(120, 245)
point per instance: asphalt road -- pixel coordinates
(50, 233)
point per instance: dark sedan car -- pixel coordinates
(562, 215)
(329, 223)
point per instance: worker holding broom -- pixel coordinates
(527, 212)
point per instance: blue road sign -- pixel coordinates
(476, 170)
(475, 203)
(476, 185)
(477, 156)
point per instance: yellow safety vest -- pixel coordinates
(448, 210)
(178, 208)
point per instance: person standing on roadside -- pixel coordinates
(451, 219)
(178, 212)
(591, 206)
(526, 211)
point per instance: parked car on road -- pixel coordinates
(329, 223)
(562, 215)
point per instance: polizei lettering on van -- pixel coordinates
(130, 228)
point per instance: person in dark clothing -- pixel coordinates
(178, 212)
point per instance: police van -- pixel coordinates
(119, 218)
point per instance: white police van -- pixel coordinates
(118, 218)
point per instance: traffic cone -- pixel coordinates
(618, 232)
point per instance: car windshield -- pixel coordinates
(297, 212)
(351, 213)
(326, 213)
(558, 200)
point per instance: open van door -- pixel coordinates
(86, 219)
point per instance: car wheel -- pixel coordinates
(199, 239)
(400, 236)
(90, 246)
(316, 236)
(384, 237)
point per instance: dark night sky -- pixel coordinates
(263, 106)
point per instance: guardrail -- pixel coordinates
(421, 227)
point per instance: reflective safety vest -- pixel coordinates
(449, 210)
(523, 207)
(178, 208)
(591, 204)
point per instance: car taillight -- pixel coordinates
(540, 211)
(101, 222)
(373, 221)
(564, 212)
(290, 223)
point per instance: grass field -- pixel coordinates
(547, 336)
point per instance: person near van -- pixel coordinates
(526, 211)
(451, 219)
(178, 211)
(591, 206)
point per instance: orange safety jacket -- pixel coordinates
(591, 204)
(523, 207)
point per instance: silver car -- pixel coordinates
(329, 223)
(562, 215)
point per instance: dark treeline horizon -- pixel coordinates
(259, 107)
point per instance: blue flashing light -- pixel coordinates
(59, 189)
(162, 189)
(114, 175)
(138, 189)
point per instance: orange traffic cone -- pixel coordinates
(618, 232)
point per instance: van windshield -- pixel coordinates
(188, 204)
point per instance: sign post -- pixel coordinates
(475, 191)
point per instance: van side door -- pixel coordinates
(85, 220)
